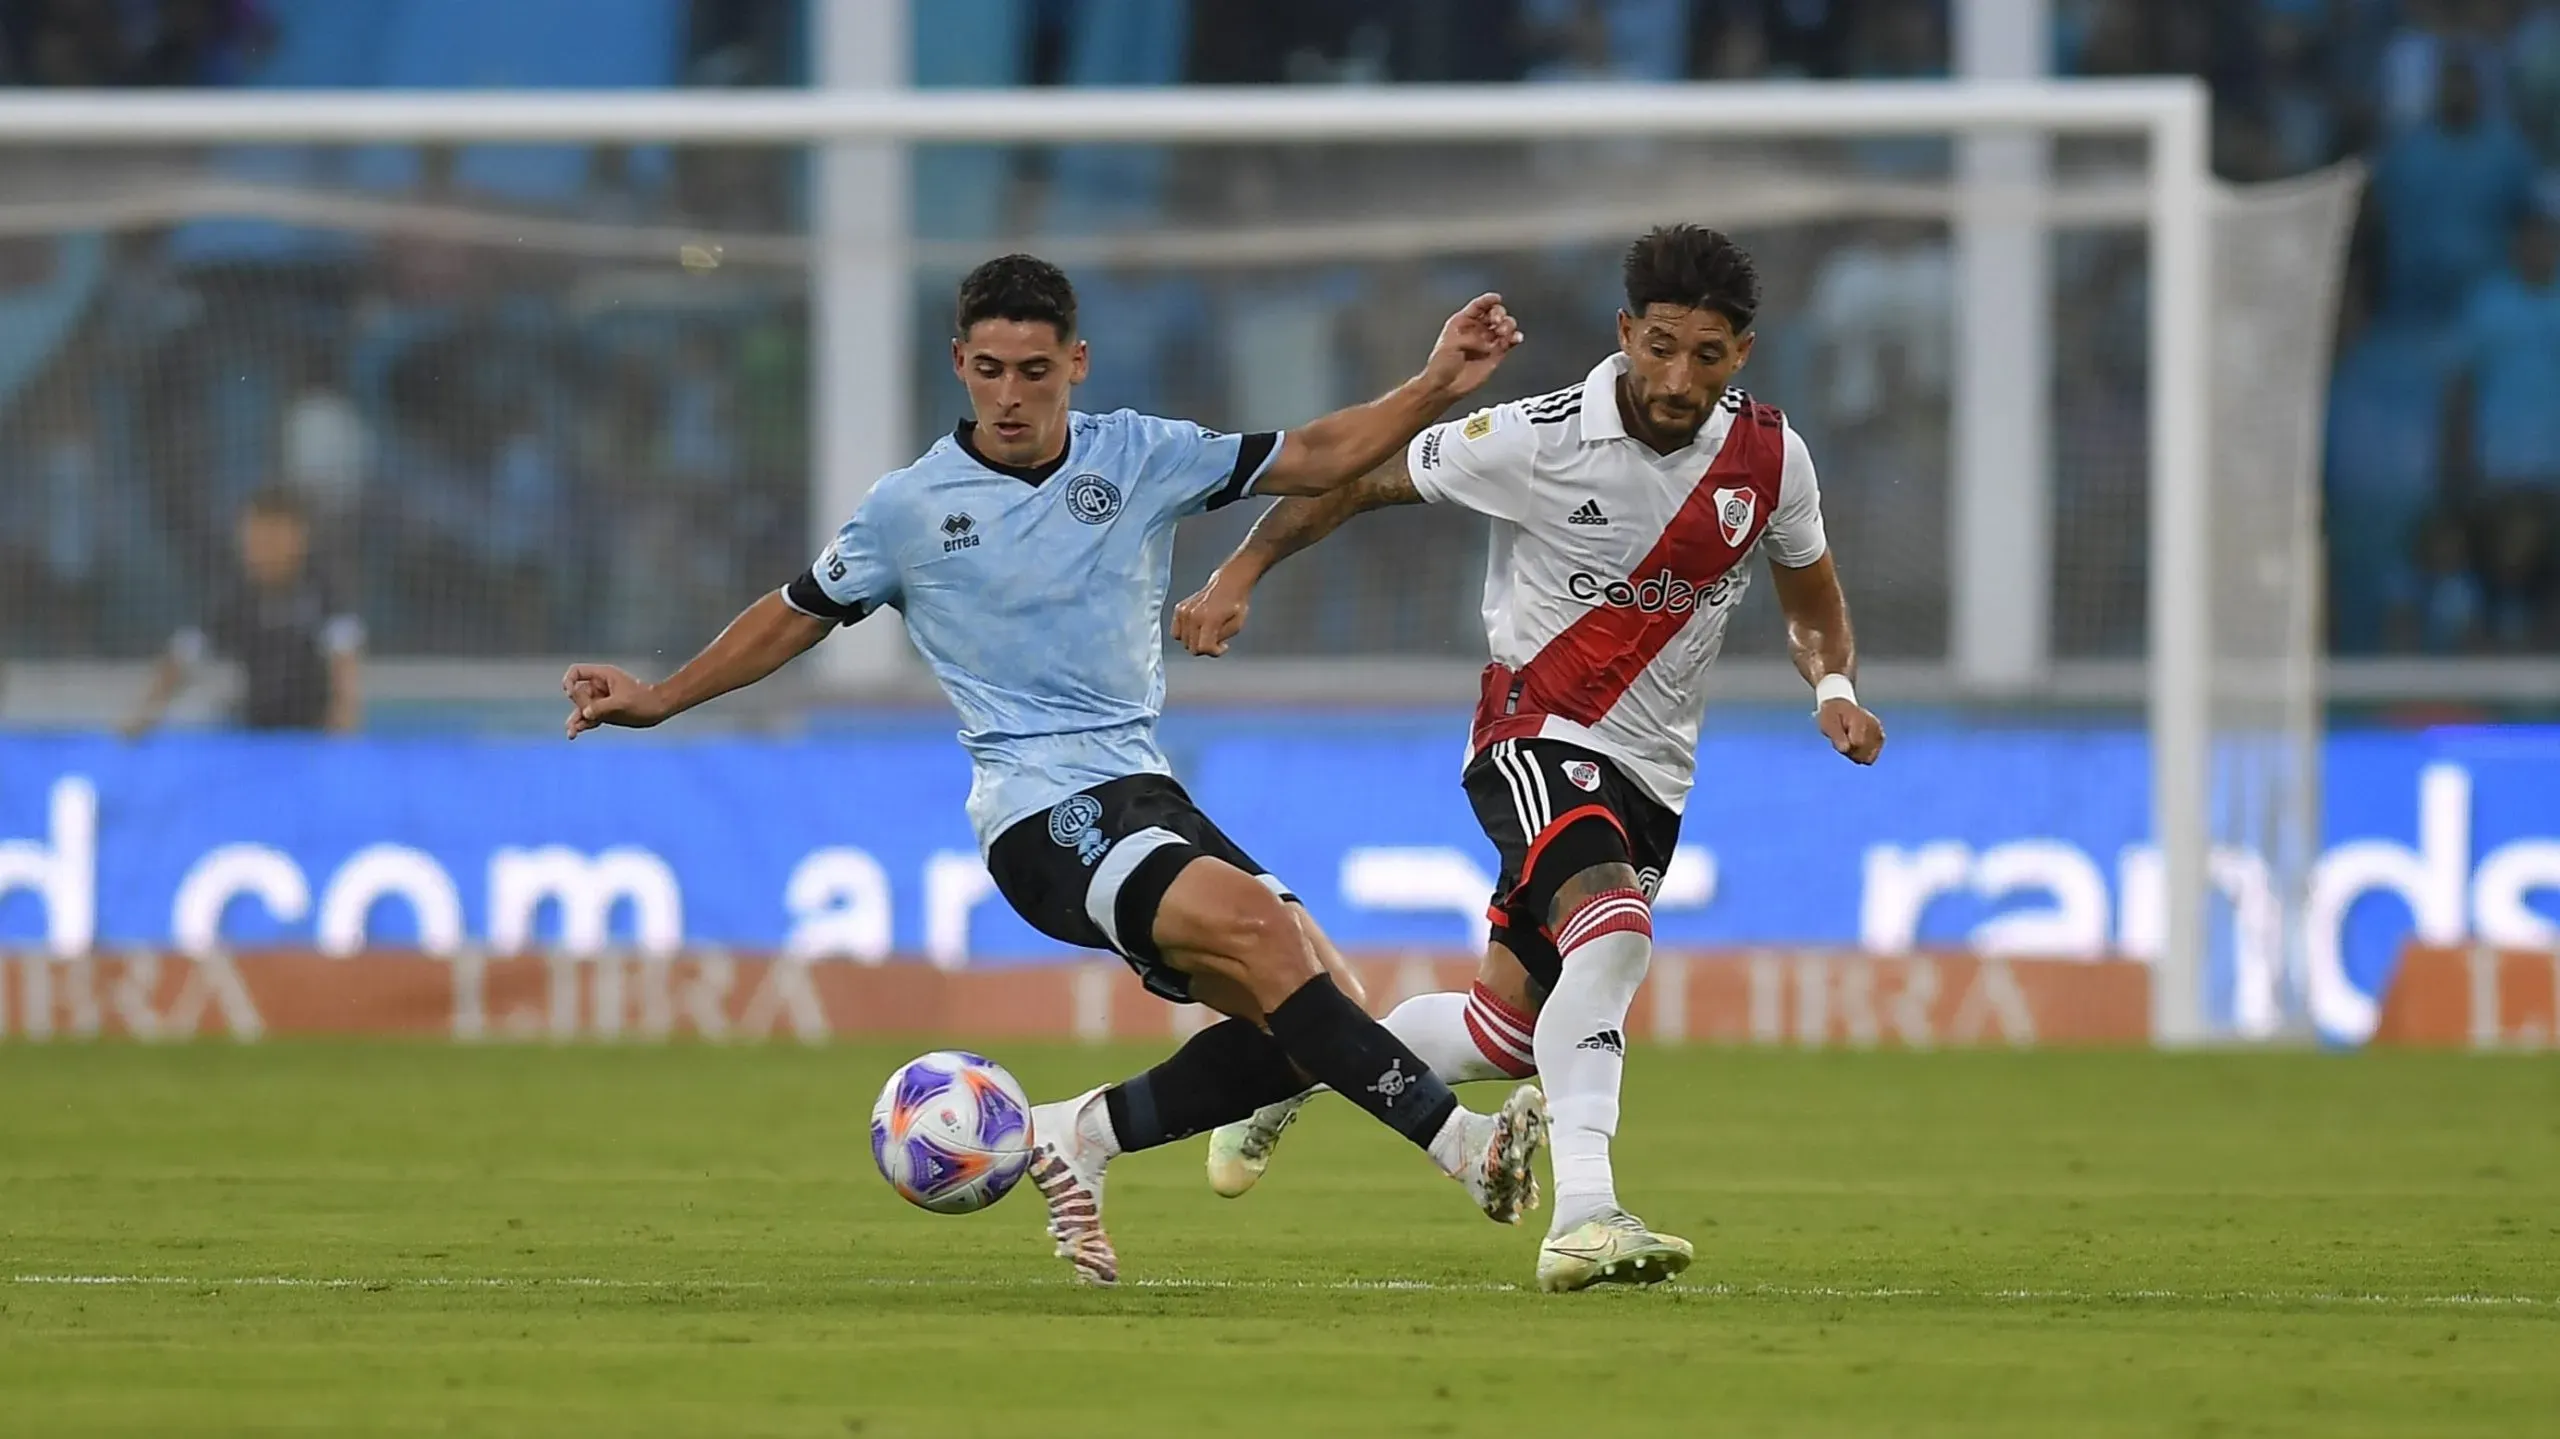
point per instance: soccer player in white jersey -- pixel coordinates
(1625, 510)
(1030, 552)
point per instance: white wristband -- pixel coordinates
(1833, 687)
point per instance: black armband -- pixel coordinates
(1252, 452)
(805, 595)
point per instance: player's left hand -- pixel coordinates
(1852, 730)
(1471, 346)
(1213, 615)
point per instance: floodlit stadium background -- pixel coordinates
(567, 401)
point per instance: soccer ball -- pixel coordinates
(952, 1132)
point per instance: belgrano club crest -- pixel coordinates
(1733, 514)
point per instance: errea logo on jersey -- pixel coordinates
(959, 532)
(1664, 591)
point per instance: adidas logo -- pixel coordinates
(1608, 1039)
(1589, 514)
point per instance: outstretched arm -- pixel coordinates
(1826, 654)
(1325, 454)
(758, 642)
(1209, 619)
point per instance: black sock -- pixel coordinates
(1332, 1039)
(1223, 1073)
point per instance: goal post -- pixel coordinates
(2169, 117)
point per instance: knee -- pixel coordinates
(1330, 959)
(1262, 940)
(1501, 974)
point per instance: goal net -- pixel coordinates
(575, 376)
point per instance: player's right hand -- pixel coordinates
(1206, 621)
(1471, 346)
(601, 695)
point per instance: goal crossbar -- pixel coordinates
(1196, 113)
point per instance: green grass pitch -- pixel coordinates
(396, 1239)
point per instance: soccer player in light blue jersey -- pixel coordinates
(1029, 553)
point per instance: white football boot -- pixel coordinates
(1498, 1150)
(1067, 1163)
(1239, 1152)
(1611, 1248)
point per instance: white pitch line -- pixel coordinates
(1341, 1286)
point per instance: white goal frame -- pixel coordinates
(854, 349)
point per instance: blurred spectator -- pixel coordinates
(2533, 79)
(1898, 40)
(2294, 103)
(1590, 40)
(1800, 39)
(300, 646)
(328, 452)
(738, 42)
(2386, 436)
(57, 576)
(198, 42)
(139, 42)
(2449, 191)
(1881, 314)
(2510, 342)
(2435, 34)
(2510, 347)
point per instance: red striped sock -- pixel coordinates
(1612, 911)
(1503, 1034)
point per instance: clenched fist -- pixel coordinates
(1852, 730)
(1206, 621)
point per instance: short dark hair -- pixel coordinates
(1017, 287)
(1693, 267)
(277, 502)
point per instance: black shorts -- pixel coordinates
(1092, 869)
(1553, 810)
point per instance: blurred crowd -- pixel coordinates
(517, 453)
(88, 43)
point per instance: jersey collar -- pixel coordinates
(1600, 417)
(964, 434)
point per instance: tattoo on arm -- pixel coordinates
(1300, 520)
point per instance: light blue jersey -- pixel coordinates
(1037, 596)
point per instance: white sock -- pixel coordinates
(1449, 1148)
(1093, 1125)
(1465, 1036)
(1461, 1036)
(1086, 1114)
(1582, 1044)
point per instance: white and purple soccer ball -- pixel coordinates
(952, 1132)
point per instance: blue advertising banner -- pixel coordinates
(2009, 841)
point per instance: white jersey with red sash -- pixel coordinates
(1613, 569)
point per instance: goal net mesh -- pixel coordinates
(551, 399)
(2279, 259)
